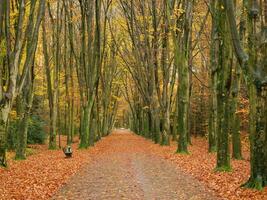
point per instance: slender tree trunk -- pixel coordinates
(166, 78)
(234, 118)
(25, 104)
(183, 86)
(52, 80)
(223, 90)
(214, 64)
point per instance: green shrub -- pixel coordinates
(12, 135)
(36, 133)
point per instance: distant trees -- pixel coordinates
(76, 52)
(52, 74)
(164, 42)
(86, 55)
(141, 62)
(153, 63)
(92, 60)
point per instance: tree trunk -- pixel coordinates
(213, 103)
(256, 87)
(24, 105)
(14, 58)
(183, 77)
(234, 117)
(223, 90)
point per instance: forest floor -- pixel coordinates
(125, 166)
(128, 169)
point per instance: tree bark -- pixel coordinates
(223, 90)
(183, 78)
(257, 90)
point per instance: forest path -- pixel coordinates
(128, 169)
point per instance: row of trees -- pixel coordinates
(169, 59)
(67, 44)
(164, 53)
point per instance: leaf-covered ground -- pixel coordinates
(125, 166)
(127, 169)
(201, 165)
(41, 175)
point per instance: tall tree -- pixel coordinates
(183, 78)
(213, 81)
(14, 51)
(253, 64)
(52, 76)
(223, 86)
(25, 97)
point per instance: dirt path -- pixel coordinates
(127, 169)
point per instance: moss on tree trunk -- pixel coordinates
(223, 89)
